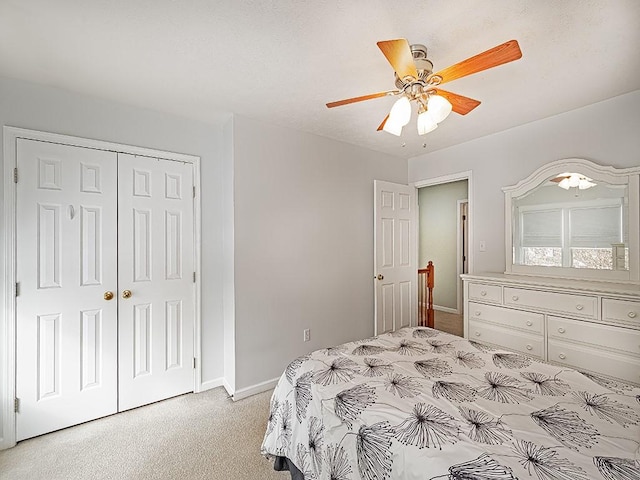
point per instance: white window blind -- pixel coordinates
(542, 228)
(595, 227)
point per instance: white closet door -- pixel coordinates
(156, 264)
(66, 261)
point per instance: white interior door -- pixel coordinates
(395, 267)
(156, 264)
(66, 355)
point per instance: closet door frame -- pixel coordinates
(8, 265)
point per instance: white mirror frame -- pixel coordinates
(614, 176)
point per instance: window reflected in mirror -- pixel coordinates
(572, 221)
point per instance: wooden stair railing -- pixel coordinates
(425, 296)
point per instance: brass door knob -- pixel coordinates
(126, 293)
(380, 276)
(108, 295)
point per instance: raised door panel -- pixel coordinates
(66, 370)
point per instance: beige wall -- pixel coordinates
(303, 244)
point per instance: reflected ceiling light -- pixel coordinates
(572, 180)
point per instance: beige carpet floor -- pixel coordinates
(448, 322)
(203, 436)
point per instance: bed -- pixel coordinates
(423, 404)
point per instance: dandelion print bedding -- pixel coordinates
(423, 404)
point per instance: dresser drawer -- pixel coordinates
(506, 338)
(593, 360)
(484, 292)
(578, 305)
(607, 336)
(527, 321)
(625, 312)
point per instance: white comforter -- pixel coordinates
(423, 404)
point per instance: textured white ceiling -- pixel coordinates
(280, 61)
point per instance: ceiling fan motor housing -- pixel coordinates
(423, 65)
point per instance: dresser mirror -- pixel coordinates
(574, 219)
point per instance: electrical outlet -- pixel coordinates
(306, 334)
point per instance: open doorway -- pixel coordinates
(443, 238)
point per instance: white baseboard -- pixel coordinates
(255, 389)
(446, 309)
(209, 384)
(227, 387)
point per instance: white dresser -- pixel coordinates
(590, 326)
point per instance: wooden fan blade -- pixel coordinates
(398, 53)
(507, 52)
(460, 104)
(361, 99)
(383, 122)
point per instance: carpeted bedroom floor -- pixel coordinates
(203, 436)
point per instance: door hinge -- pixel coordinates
(194, 362)
(194, 277)
(464, 217)
(194, 192)
(16, 405)
(15, 175)
(17, 288)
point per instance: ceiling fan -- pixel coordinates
(415, 81)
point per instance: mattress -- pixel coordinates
(424, 404)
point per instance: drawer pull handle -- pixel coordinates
(562, 356)
(477, 334)
(561, 330)
(515, 298)
(483, 293)
(579, 307)
(529, 347)
(632, 314)
(529, 323)
(478, 313)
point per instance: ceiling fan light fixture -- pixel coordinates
(426, 123)
(392, 127)
(438, 107)
(400, 112)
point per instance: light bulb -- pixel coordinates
(401, 111)
(392, 127)
(584, 183)
(564, 183)
(439, 107)
(426, 123)
(574, 180)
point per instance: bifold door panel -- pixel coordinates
(66, 261)
(105, 309)
(155, 264)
